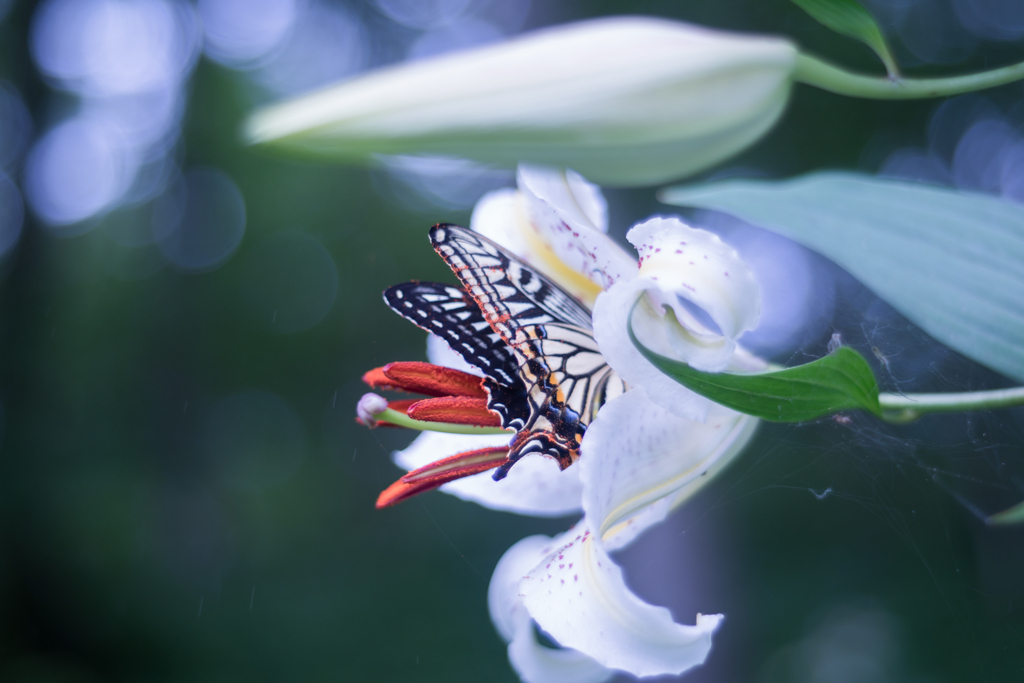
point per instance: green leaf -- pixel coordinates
(950, 261)
(849, 18)
(1014, 515)
(841, 380)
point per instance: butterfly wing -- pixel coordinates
(453, 315)
(450, 313)
(550, 335)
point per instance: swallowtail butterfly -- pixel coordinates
(532, 339)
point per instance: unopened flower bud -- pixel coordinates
(624, 101)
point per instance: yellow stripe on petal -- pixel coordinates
(546, 260)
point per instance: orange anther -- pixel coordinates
(441, 472)
(454, 409)
(425, 378)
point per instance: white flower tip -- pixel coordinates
(369, 407)
(709, 622)
(708, 294)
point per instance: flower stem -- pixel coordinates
(907, 407)
(821, 74)
(399, 419)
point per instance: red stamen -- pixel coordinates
(454, 409)
(435, 474)
(425, 378)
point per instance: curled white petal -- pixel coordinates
(577, 200)
(578, 595)
(503, 590)
(636, 453)
(711, 292)
(611, 312)
(535, 486)
(534, 662)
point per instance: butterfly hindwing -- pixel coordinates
(550, 334)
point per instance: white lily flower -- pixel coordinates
(639, 458)
(624, 100)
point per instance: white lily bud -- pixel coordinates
(624, 101)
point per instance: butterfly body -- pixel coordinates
(522, 324)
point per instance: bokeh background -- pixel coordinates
(184, 493)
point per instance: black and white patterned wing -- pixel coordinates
(453, 315)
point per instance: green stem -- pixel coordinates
(392, 416)
(907, 407)
(821, 74)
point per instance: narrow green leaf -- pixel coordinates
(950, 261)
(1014, 515)
(849, 18)
(841, 380)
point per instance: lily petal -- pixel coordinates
(504, 217)
(497, 217)
(636, 453)
(578, 595)
(570, 216)
(577, 201)
(611, 311)
(535, 486)
(710, 291)
(534, 662)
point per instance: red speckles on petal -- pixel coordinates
(576, 577)
(679, 251)
(561, 566)
(727, 273)
(563, 582)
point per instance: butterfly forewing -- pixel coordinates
(451, 314)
